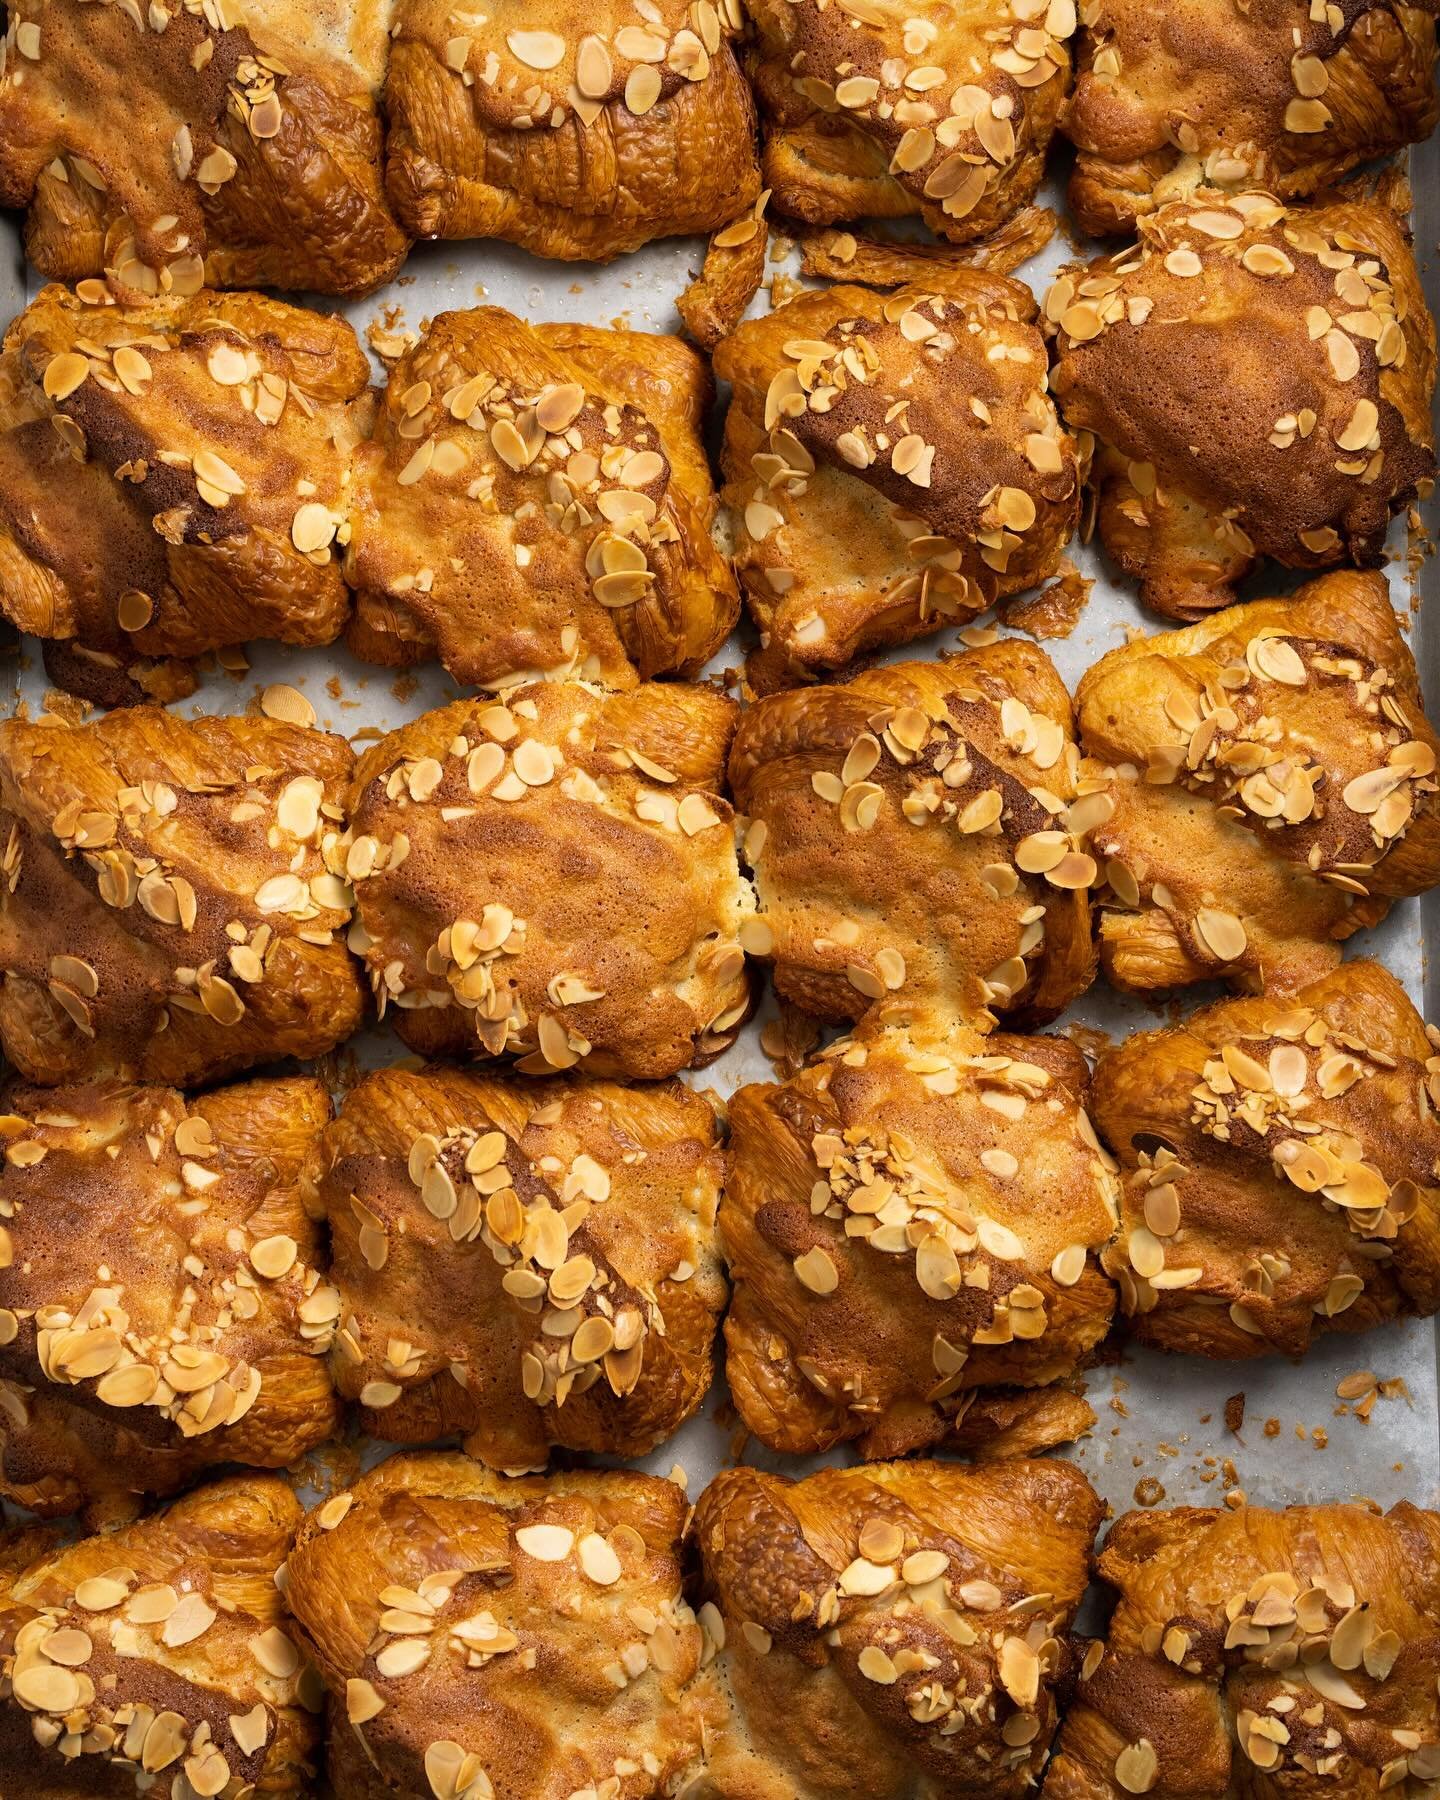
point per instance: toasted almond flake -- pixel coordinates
(287, 704)
(1137, 1767)
(546, 1543)
(63, 374)
(816, 1271)
(274, 1256)
(1221, 933)
(598, 1559)
(536, 49)
(593, 69)
(362, 1702)
(642, 88)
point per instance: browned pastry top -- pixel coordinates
(876, 111)
(895, 1631)
(907, 1222)
(1274, 786)
(484, 1636)
(916, 839)
(531, 1263)
(174, 473)
(166, 910)
(555, 875)
(157, 1658)
(1288, 1652)
(576, 130)
(1259, 382)
(181, 143)
(163, 1305)
(537, 502)
(1280, 1161)
(893, 463)
(1283, 94)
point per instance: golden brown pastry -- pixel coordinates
(575, 131)
(555, 876)
(893, 464)
(731, 276)
(181, 144)
(491, 1639)
(166, 909)
(1257, 1652)
(1259, 384)
(916, 840)
(528, 1263)
(155, 1659)
(1279, 94)
(877, 111)
(1280, 1168)
(910, 1220)
(1272, 778)
(894, 1631)
(163, 1306)
(173, 478)
(537, 501)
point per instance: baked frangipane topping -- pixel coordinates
(556, 878)
(576, 131)
(1280, 1164)
(907, 1221)
(873, 113)
(166, 909)
(893, 464)
(174, 475)
(1259, 384)
(894, 1629)
(537, 502)
(530, 1263)
(916, 838)
(163, 1307)
(186, 144)
(1256, 1651)
(157, 1659)
(1273, 780)
(1287, 96)
(438, 1598)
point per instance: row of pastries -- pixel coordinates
(918, 1239)
(180, 475)
(898, 1630)
(181, 143)
(584, 878)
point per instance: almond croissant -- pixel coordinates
(555, 875)
(163, 1307)
(873, 111)
(529, 1263)
(155, 1659)
(908, 1222)
(1280, 1164)
(166, 909)
(870, 503)
(1256, 1652)
(537, 502)
(1259, 384)
(440, 1601)
(895, 1631)
(177, 145)
(574, 131)
(1271, 787)
(173, 476)
(1282, 94)
(915, 839)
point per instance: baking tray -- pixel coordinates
(1161, 1436)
